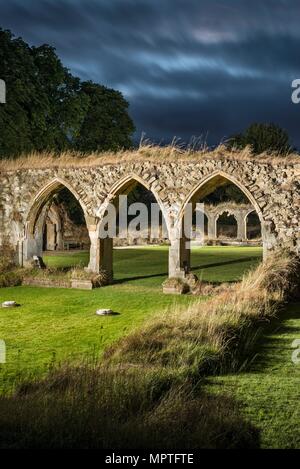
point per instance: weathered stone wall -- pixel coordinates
(273, 190)
(61, 231)
(239, 211)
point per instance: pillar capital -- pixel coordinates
(92, 223)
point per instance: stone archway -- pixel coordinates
(180, 256)
(272, 187)
(247, 225)
(102, 248)
(234, 222)
(32, 243)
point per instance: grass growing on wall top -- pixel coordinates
(145, 152)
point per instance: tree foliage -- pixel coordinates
(263, 138)
(226, 193)
(106, 124)
(49, 109)
(71, 205)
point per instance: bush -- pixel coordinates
(10, 276)
(11, 279)
(7, 258)
(98, 279)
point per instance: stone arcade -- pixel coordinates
(273, 189)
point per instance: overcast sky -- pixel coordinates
(187, 67)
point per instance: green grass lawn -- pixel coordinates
(53, 325)
(270, 390)
(148, 266)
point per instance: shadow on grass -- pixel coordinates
(272, 343)
(100, 408)
(220, 264)
(193, 268)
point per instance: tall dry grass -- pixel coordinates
(113, 408)
(146, 151)
(147, 392)
(215, 335)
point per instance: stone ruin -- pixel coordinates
(273, 190)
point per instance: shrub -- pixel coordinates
(99, 279)
(9, 274)
(173, 282)
(11, 279)
(207, 289)
(176, 284)
(7, 258)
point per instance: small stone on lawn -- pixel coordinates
(9, 304)
(105, 312)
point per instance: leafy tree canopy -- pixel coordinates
(49, 109)
(227, 193)
(263, 138)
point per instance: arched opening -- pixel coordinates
(227, 203)
(253, 226)
(64, 226)
(56, 228)
(138, 248)
(226, 226)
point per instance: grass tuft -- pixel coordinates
(146, 151)
(204, 337)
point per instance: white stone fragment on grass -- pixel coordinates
(9, 304)
(104, 312)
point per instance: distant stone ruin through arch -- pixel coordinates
(40, 233)
(253, 227)
(227, 226)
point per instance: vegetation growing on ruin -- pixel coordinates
(145, 152)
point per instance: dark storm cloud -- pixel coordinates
(187, 67)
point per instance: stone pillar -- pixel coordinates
(268, 237)
(101, 254)
(59, 239)
(51, 236)
(32, 246)
(33, 242)
(179, 255)
(212, 226)
(241, 226)
(20, 253)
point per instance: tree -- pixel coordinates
(263, 138)
(106, 125)
(227, 193)
(67, 106)
(71, 205)
(49, 109)
(26, 103)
